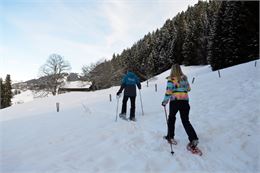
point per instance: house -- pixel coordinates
(70, 86)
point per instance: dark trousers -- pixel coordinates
(124, 105)
(184, 108)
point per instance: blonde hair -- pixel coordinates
(176, 72)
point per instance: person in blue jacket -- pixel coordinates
(128, 84)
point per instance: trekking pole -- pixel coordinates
(117, 107)
(141, 102)
(167, 125)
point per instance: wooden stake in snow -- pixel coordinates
(58, 106)
(110, 97)
(193, 79)
(255, 63)
(155, 87)
(219, 74)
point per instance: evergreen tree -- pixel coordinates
(166, 55)
(212, 13)
(247, 26)
(180, 31)
(1, 94)
(7, 92)
(235, 36)
(150, 65)
(196, 40)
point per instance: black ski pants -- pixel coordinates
(184, 108)
(124, 105)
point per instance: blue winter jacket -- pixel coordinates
(129, 82)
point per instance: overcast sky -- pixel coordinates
(82, 31)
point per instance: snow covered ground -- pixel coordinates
(28, 96)
(84, 137)
(25, 96)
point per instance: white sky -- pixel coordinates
(83, 32)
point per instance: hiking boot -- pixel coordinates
(170, 140)
(194, 143)
(132, 119)
(122, 116)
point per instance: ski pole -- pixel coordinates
(167, 126)
(141, 102)
(117, 107)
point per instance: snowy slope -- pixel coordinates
(26, 96)
(84, 137)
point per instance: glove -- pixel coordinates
(164, 103)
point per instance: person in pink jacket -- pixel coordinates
(177, 94)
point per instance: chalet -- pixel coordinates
(71, 86)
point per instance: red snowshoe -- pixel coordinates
(194, 149)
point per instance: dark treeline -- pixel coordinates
(235, 36)
(218, 33)
(5, 92)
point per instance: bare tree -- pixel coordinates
(55, 69)
(99, 74)
(87, 69)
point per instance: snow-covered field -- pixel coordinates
(84, 137)
(25, 96)
(28, 96)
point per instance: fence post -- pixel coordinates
(193, 79)
(110, 97)
(255, 63)
(58, 106)
(155, 87)
(219, 74)
(147, 83)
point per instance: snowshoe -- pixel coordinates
(192, 147)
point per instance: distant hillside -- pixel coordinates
(36, 83)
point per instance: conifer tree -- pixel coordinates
(195, 43)
(180, 25)
(7, 99)
(235, 36)
(1, 94)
